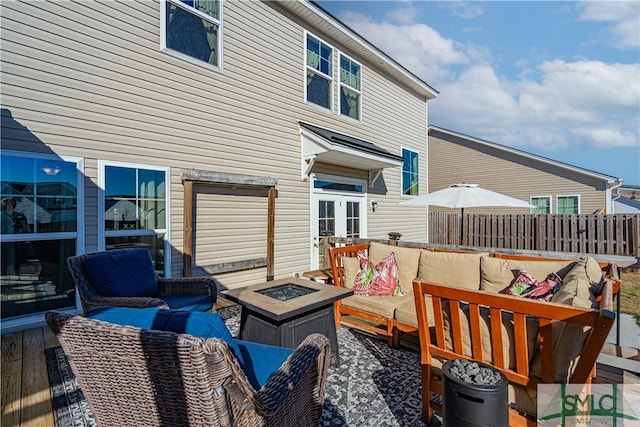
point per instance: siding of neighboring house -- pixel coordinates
(454, 159)
(88, 80)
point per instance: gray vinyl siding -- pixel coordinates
(88, 79)
(453, 160)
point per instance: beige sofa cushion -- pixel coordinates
(351, 266)
(406, 258)
(406, 312)
(498, 273)
(568, 338)
(449, 268)
(381, 305)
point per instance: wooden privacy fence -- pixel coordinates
(617, 234)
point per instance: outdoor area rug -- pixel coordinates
(373, 386)
(69, 407)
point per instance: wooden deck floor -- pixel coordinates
(26, 400)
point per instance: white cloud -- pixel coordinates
(464, 9)
(416, 46)
(552, 106)
(622, 16)
(586, 103)
(404, 13)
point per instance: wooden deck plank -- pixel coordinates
(11, 379)
(49, 337)
(36, 398)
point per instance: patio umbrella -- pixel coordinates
(465, 195)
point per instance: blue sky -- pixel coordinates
(557, 79)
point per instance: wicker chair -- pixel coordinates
(169, 289)
(140, 377)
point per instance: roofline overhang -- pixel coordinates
(346, 36)
(611, 181)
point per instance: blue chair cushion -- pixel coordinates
(124, 273)
(203, 325)
(261, 361)
(189, 302)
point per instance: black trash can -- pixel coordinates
(474, 394)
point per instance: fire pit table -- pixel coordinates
(283, 312)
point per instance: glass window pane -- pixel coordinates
(120, 213)
(350, 103)
(191, 35)
(410, 173)
(54, 185)
(34, 276)
(331, 209)
(119, 182)
(349, 73)
(542, 205)
(151, 183)
(313, 45)
(210, 7)
(568, 205)
(152, 214)
(318, 90)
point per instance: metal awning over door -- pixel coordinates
(326, 146)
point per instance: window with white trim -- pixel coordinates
(542, 205)
(410, 173)
(350, 87)
(193, 28)
(134, 209)
(568, 204)
(42, 225)
(319, 72)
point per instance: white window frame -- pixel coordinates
(331, 78)
(177, 54)
(103, 234)
(568, 195)
(339, 68)
(22, 322)
(402, 148)
(549, 197)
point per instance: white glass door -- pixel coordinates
(337, 210)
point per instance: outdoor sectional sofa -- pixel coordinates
(530, 341)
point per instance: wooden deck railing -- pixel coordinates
(617, 234)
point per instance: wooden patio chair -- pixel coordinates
(126, 278)
(136, 376)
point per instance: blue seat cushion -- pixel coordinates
(123, 273)
(261, 361)
(203, 325)
(189, 302)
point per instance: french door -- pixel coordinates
(340, 215)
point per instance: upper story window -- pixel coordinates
(194, 28)
(568, 204)
(350, 87)
(542, 205)
(319, 75)
(410, 173)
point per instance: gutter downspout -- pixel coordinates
(611, 199)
